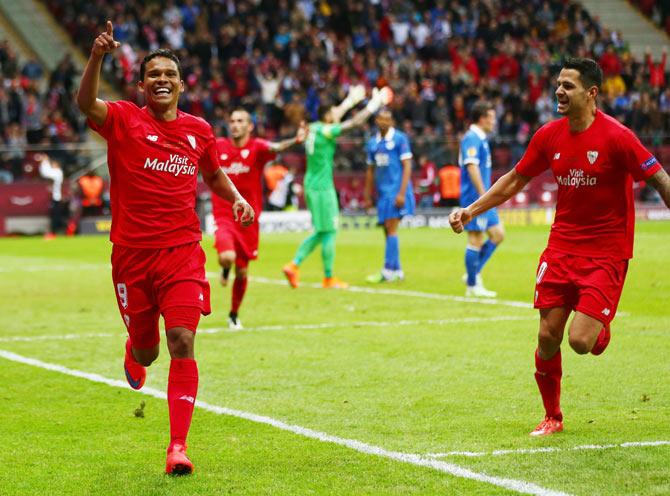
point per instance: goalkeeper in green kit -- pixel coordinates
(320, 194)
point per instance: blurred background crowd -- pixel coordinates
(281, 59)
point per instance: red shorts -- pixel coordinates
(589, 285)
(149, 282)
(232, 236)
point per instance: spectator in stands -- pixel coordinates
(427, 183)
(438, 59)
(16, 143)
(50, 169)
(656, 70)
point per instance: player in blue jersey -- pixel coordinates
(390, 165)
(475, 161)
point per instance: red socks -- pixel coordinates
(182, 390)
(239, 288)
(548, 377)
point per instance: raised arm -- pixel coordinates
(661, 183)
(87, 96)
(379, 98)
(354, 97)
(503, 189)
(280, 146)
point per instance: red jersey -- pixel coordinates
(595, 170)
(244, 167)
(153, 169)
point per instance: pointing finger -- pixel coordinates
(110, 28)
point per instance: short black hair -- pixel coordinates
(242, 109)
(161, 52)
(590, 73)
(480, 109)
(323, 109)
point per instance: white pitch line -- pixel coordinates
(331, 325)
(549, 449)
(54, 337)
(396, 292)
(406, 292)
(295, 327)
(519, 486)
(54, 268)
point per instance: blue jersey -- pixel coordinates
(474, 150)
(387, 154)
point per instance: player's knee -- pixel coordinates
(581, 344)
(146, 357)
(180, 342)
(498, 238)
(227, 259)
(548, 338)
(240, 272)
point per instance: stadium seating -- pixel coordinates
(281, 59)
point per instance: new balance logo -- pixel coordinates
(557, 156)
(190, 399)
(606, 312)
(152, 137)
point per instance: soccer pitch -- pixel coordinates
(405, 388)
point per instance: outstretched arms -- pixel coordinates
(354, 97)
(379, 98)
(87, 96)
(280, 146)
(503, 189)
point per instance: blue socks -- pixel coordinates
(392, 253)
(485, 253)
(472, 256)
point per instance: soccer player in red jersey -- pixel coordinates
(595, 160)
(242, 157)
(158, 267)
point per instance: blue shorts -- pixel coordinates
(386, 208)
(483, 222)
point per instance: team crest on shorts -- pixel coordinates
(592, 156)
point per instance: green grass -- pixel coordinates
(420, 387)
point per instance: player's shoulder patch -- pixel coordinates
(471, 151)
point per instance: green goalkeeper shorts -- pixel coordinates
(324, 209)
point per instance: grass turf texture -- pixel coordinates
(417, 387)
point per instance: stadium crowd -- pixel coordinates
(36, 111)
(281, 59)
(657, 11)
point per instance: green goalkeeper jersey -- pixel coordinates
(320, 147)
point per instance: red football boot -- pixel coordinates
(602, 341)
(135, 373)
(177, 462)
(547, 427)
